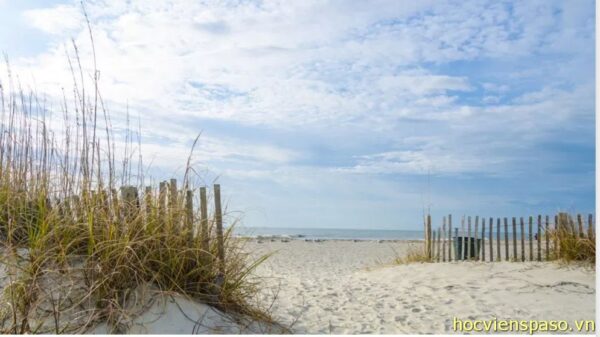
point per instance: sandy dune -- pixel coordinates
(345, 287)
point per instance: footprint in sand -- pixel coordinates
(400, 319)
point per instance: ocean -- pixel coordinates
(330, 233)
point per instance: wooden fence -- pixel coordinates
(168, 194)
(529, 239)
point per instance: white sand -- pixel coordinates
(342, 287)
(345, 287)
(175, 314)
(148, 310)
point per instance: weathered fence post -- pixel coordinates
(591, 233)
(556, 236)
(522, 240)
(114, 199)
(469, 238)
(219, 223)
(439, 247)
(491, 239)
(539, 238)
(173, 205)
(483, 239)
(173, 193)
(189, 214)
(129, 195)
(580, 225)
(463, 243)
(506, 256)
(432, 258)
(450, 237)
(530, 238)
(148, 201)
(498, 236)
(429, 236)
(162, 195)
(444, 241)
(571, 223)
(204, 234)
(514, 228)
(547, 235)
(426, 234)
(476, 245)
(456, 255)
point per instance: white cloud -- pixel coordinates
(309, 106)
(327, 66)
(56, 20)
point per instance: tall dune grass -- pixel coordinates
(74, 251)
(572, 245)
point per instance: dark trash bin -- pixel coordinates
(458, 246)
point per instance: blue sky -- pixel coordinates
(342, 114)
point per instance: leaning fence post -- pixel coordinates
(219, 223)
(483, 239)
(444, 240)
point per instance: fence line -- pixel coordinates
(464, 243)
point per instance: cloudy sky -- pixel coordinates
(342, 114)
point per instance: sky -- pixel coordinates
(341, 114)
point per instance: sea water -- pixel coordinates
(330, 233)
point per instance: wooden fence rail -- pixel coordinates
(538, 240)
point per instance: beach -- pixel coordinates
(352, 287)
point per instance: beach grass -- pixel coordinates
(74, 250)
(573, 247)
(414, 254)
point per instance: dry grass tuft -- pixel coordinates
(572, 245)
(74, 249)
(414, 254)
